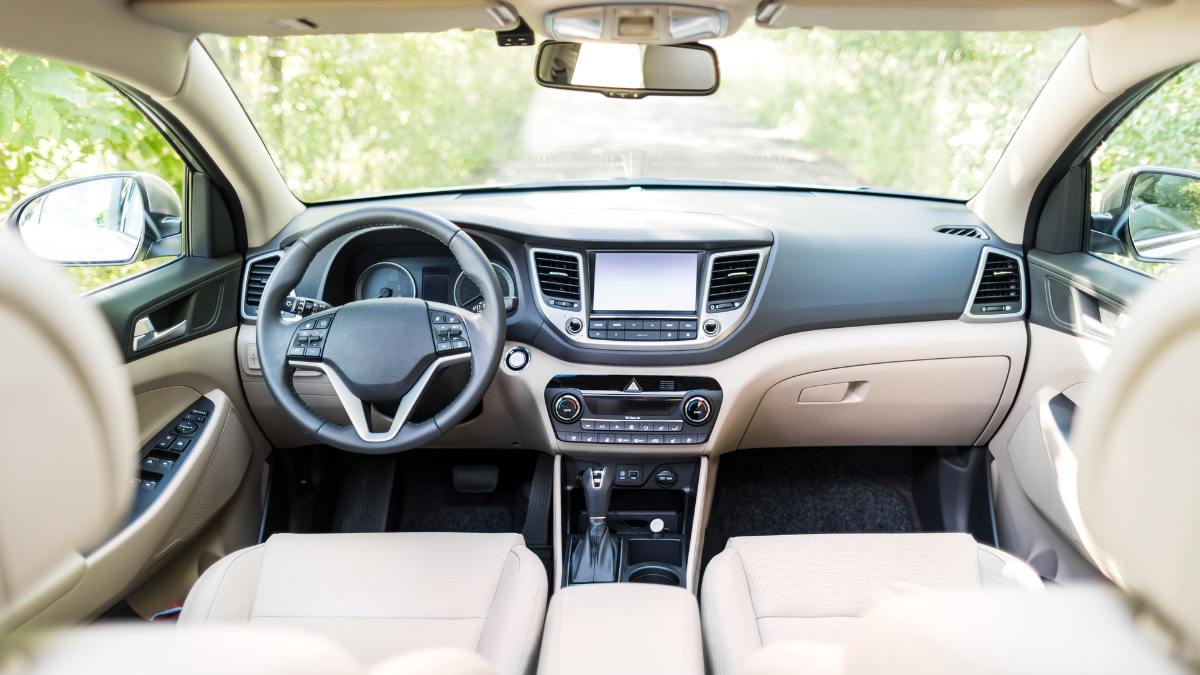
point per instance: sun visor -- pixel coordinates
(305, 17)
(966, 15)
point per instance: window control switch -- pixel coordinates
(165, 442)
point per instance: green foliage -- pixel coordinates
(59, 122)
(1163, 131)
(357, 114)
(924, 111)
(87, 278)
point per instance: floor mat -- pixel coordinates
(808, 491)
(366, 495)
(461, 519)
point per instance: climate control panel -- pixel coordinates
(633, 410)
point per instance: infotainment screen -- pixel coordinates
(644, 282)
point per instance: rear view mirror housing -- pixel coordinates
(108, 219)
(628, 70)
(1151, 214)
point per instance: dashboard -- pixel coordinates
(671, 285)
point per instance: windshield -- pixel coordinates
(927, 112)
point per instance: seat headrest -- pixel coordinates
(1138, 443)
(67, 428)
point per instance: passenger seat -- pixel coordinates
(812, 588)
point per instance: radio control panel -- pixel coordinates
(633, 410)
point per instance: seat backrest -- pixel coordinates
(1138, 443)
(67, 433)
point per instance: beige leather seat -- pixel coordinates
(69, 369)
(813, 588)
(1139, 458)
(386, 594)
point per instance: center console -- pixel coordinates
(645, 300)
(639, 522)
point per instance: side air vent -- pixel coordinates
(558, 276)
(732, 277)
(999, 289)
(962, 231)
(256, 281)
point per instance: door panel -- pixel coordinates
(1078, 305)
(202, 292)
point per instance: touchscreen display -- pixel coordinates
(645, 282)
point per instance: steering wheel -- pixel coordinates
(380, 350)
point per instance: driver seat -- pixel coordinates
(385, 594)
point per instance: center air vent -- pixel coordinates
(732, 277)
(962, 231)
(558, 277)
(999, 290)
(256, 281)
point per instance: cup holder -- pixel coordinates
(654, 575)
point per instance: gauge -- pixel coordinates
(468, 296)
(385, 280)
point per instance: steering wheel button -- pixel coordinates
(438, 318)
(312, 351)
(450, 318)
(296, 351)
(323, 323)
(308, 325)
(444, 346)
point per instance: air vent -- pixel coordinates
(256, 281)
(962, 231)
(558, 275)
(732, 277)
(999, 288)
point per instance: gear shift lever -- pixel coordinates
(595, 558)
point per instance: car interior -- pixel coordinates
(503, 337)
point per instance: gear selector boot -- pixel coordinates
(595, 558)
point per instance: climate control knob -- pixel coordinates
(697, 410)
(567, 408)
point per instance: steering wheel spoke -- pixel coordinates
(356, 409)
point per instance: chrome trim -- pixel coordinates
(151, 337)
(354, 405)
(246, 278)
(729, 320)
(967, 316)
(384, 263)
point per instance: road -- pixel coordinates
(582, 135)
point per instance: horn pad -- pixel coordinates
(380, 347)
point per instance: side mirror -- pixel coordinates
(1151, 214)
(110, 219)
(627, 70)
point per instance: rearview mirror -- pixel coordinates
(109, 219)
(1152, 213)
(629, 71)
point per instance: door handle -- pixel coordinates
(145, 336)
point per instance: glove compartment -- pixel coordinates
(921, 402)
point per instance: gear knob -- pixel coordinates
(597, 486)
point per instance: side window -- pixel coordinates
(89, 183)
(1146, 181)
